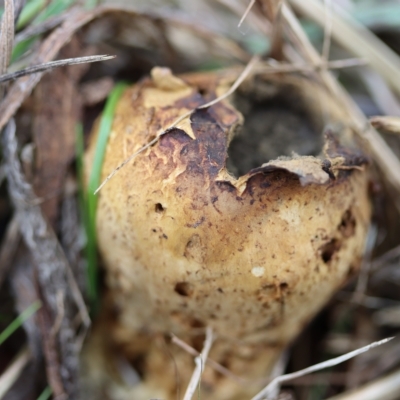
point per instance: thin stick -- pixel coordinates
(54, 64)
(235, 85)
(249, 7)
(200, 361)
(265, 393)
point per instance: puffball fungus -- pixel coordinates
(189, 245)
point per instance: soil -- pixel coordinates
(272, 128)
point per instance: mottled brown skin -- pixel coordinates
(187, 246)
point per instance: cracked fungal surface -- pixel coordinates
(254, 249)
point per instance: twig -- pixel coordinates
(54, 64)
(235, 85)
(14, 370)
(200, 362)
(266, 392)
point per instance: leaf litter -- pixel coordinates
(49, 48)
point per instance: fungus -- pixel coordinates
(191, 238)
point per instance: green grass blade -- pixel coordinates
(17, 323)
(94, 182)
(54, 8)
(21, 47)
(45, 395)
(29, 12)
(91, 4)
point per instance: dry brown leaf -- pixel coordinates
(56, 115)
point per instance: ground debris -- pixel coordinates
(51, 268)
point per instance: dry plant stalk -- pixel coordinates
(189, 245)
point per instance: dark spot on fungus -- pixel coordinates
(159, 208)
(194, 249)
(329, 249)
(184, 289)
(265, 185)
(202, 91)
(348, 224)
(283, 286)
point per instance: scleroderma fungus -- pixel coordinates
(187, 244)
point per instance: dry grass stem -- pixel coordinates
(218, 367)
(277, 33)
(6, 35)
(249, 7)
(14, 370)
(326, 46)
(232, 89)
(21, 89)
(386, 258)
(266, 392)
(8, 248)
(386, 388)
(383, 155)
(200, 362)
(362, 280)
(34, 30)
(254, 19)
(276, 67)
(34, 69)
(380, 92)
(354, 37)
(386, 123)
